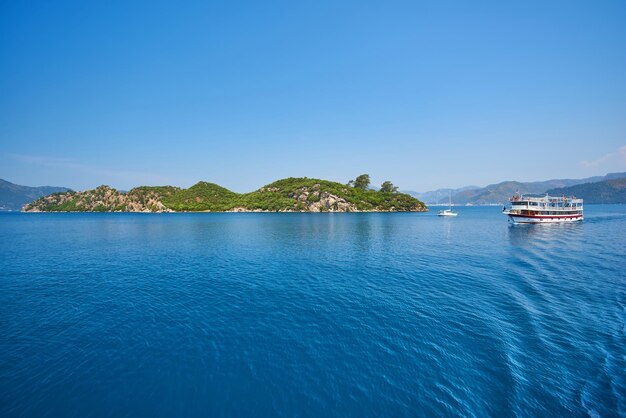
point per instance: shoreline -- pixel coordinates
(229, 211)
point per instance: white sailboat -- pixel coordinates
(448, 212)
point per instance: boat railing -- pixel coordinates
(546, 199)
(549, 207)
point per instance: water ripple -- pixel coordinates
(312, 315)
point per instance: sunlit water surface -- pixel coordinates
(312, 315)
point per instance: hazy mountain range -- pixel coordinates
(607, 191)
(439, 195)
(14, 196)
(499, 193)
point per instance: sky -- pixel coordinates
(426, 94)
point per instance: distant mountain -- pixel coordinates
(439, 196)
(499, 193)
(608, 191)
(14, 196)
(613, 176)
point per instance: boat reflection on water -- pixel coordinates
(525, 235)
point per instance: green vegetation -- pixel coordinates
(284, 191)
(362, 182)
(388, 187)
(291, 194)
(201, 197)
(62, 206)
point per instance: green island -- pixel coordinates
(286, 195)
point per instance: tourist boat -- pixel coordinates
(532, 209)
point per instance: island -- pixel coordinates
(287, 195)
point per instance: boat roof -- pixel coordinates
(545, 197)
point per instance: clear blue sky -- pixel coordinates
(425, 94)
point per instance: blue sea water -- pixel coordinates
(312, 315)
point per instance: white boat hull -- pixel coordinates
(447, 212)
(520, 219)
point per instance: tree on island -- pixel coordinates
(388, 187)
(362, 182)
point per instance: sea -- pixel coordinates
(312, 315)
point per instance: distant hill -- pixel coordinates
(614, 176)
(287, 195)
(439, 196)
(14, 196)
(499, 193)
(608, 191)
